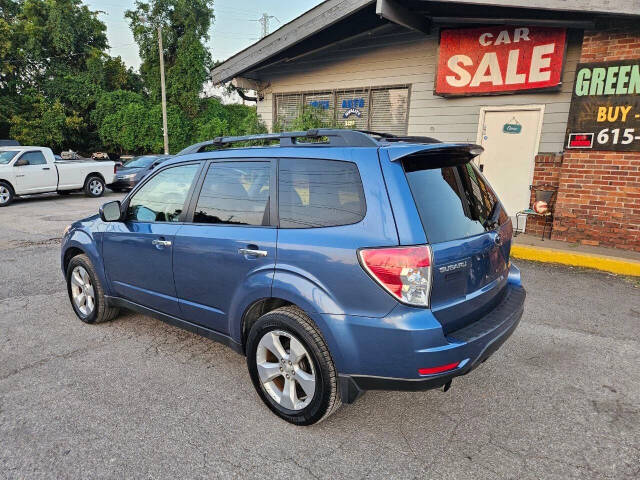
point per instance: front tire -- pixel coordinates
(94, 186)
(6, 194)
(291, 367)
(86, 293)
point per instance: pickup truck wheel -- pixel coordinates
(94, 187)
(291, 367)
(86, 292)
(6, 194)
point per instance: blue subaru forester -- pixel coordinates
(337, 261)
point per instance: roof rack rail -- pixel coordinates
(335, 138)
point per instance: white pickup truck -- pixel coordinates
(29, 170)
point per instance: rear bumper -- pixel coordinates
(470, 346)
(120, 183)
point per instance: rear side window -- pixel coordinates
(319, 193)
(453, 201)
(235, 193)
(34, 158)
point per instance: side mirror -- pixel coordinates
(21, 162)
(110, 212)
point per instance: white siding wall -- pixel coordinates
(394, 57)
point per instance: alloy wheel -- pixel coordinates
(82, 291)
(286, 370)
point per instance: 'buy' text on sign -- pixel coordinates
(499, 60)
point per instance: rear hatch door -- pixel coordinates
(468, 230)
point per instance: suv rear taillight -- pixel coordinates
(405, 272)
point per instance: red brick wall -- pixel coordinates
(618, 40)
(598, 199)
(546, 176)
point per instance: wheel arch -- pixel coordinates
(69, 254)
(13, 189)
(262, 306)
(94, 174)
(80, 242)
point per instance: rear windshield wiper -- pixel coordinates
(491, 220)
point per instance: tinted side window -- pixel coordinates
(34, 158)
(319, 193)
(235, 193)
(162, 198)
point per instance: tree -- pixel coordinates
(59, 87)
(52, 53)
(187, 61)
(45, 124)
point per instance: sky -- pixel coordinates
(234, 28)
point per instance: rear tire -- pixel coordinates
(94, 186)
(6, 194)
(282, 344)
(86, 293)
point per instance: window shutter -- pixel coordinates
(389, 110)
(323, 101)
(287, 108)
(353, 109)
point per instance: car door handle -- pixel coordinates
(163, 243)
(46, 168)
(20, 175)
(253, 252)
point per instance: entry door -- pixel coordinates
(227, 256)
(37, 176)
(510, 138)
(138, 252)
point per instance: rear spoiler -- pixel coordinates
(461, 151)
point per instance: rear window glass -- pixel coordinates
(319, 193)
(454, 201)
(235, 193)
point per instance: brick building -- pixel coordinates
(550, 89)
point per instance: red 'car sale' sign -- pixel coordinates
(499, 60)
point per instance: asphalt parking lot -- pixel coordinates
(136, 398)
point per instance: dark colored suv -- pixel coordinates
(337, 261)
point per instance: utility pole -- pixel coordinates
(264, 22)
(165, 131)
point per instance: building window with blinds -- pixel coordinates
(381, 109)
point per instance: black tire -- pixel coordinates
(101, 312)
(6, 193)
(326, 398)
(94, 186)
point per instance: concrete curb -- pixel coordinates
(605, 263)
